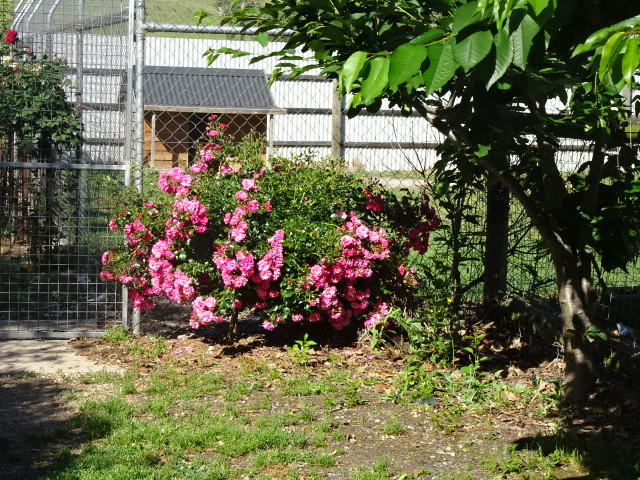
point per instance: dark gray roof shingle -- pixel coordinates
(208, 90)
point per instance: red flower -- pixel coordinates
(11, 37)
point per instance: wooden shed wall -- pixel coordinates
(169, 143)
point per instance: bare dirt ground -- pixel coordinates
(436, 441)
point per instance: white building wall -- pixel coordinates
(372, 142)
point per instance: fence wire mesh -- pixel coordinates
(60, 148)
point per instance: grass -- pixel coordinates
(257, 419)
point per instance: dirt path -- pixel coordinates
(46, 356)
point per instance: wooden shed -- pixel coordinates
(178, 102)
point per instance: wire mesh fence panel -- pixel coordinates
(50, 251)
(63, 141)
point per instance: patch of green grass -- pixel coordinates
(148, 347)
(101, 376)
(25, 375)
(533, 463)
(393, 427)
(158, 406)
(117, 334)
(379, 471)
(304, 386)
(287, 457)
(99, 418)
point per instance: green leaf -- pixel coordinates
(469, 51)
(610, 52)
(442, 66)
(522, 40)
(504, 56)
(593, 41)
(351, 69)
(538, 5)
(376, 80)
(263, 39)
(593, 331)
(464, 16)
(482, 150)
(630, 60)
(428, 37)
(406, 61)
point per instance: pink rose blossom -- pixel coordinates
(173, 180)
(138, 300)
(242, 195)
(252, 205)
(199, 168)
(249, 184)
(206, 155)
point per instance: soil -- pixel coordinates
(437, 440)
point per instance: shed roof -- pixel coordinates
(207, 90)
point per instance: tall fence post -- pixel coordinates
(337, 123)
(139, 120)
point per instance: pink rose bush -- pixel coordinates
(300, 240)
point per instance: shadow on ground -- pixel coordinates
(34, 425)
(606, 433)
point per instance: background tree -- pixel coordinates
(483, 73)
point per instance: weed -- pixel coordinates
(379, 471)
(286, 457)
(352, 393)
(433, 333)
(101, 376)
(149, 347)
(324, 426)
(70, 394)
(338, 435)
(128, 386)
(448, 419)
(232, 410)
(301, 348)
(263, 402)
(116, 334)
(393, 427)
(158, 406)
(474, 341)
(27, 374)
(303, 386)
(534, 463)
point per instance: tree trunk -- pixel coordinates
(496, 248)
(232, 334)
(577, 305)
